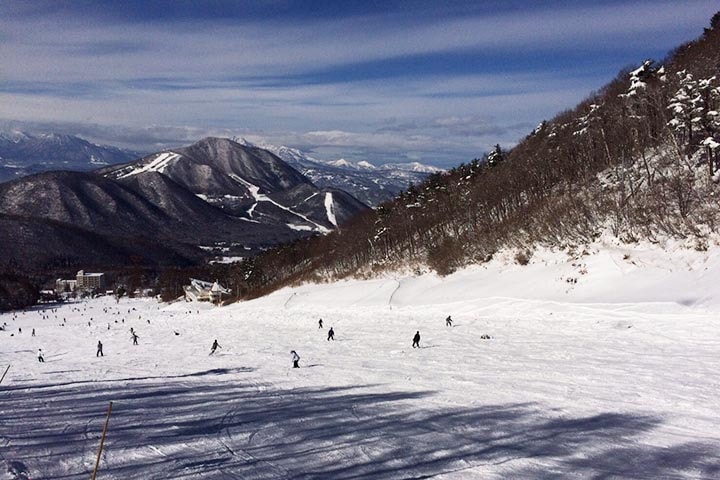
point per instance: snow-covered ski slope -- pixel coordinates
(614, 375)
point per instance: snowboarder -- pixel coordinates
(320, 324)
(331, 334)
(41, 358)
(214, 347)
(99, 352)
(416, 340)
(295, 359)
(448, 321)
(135, 338)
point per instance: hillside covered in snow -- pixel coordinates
(593, 363)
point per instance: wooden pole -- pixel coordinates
(6, 370)
(102, 441)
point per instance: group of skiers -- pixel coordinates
(215, 345)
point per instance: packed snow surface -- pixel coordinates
(600, 364)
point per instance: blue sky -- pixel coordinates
(430, 81)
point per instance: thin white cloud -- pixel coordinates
(191, 80)
(43, 49)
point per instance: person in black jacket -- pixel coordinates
(331, 334)
(448, 321)
(295, 359)
(416, 340)
(214, 347)
(99, 352)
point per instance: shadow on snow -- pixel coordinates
(205, 426)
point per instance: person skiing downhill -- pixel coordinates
(295, 359)
(41, 358)
(331, 334)
(320, 323)
(416, 340)
(99, 352)
(448, 321)
(214, 347)
(135, 338)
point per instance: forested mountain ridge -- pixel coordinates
(638, 159)
(179, 207)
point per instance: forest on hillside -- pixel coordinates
(639, 158)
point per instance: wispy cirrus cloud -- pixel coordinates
(440, 82)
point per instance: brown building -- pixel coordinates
(88, 281)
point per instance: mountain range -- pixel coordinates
(369, 183)
(215, 197)
(23, 153)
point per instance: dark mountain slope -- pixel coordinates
(45, 245)
(84, 200)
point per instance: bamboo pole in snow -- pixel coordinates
(102, 441)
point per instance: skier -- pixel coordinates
(320, 324)
(33, 332)
(41, 358)
(135, 338)
(295, 359)
(448, 321)
(331, 334)
(416, 340)
(99, 352)
(214, 347)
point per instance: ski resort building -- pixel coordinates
(82, 281)
(87, 281)
(65, 285)
(202, 291)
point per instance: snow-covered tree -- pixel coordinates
(708, 119)
(686, 108)
(496, 156)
